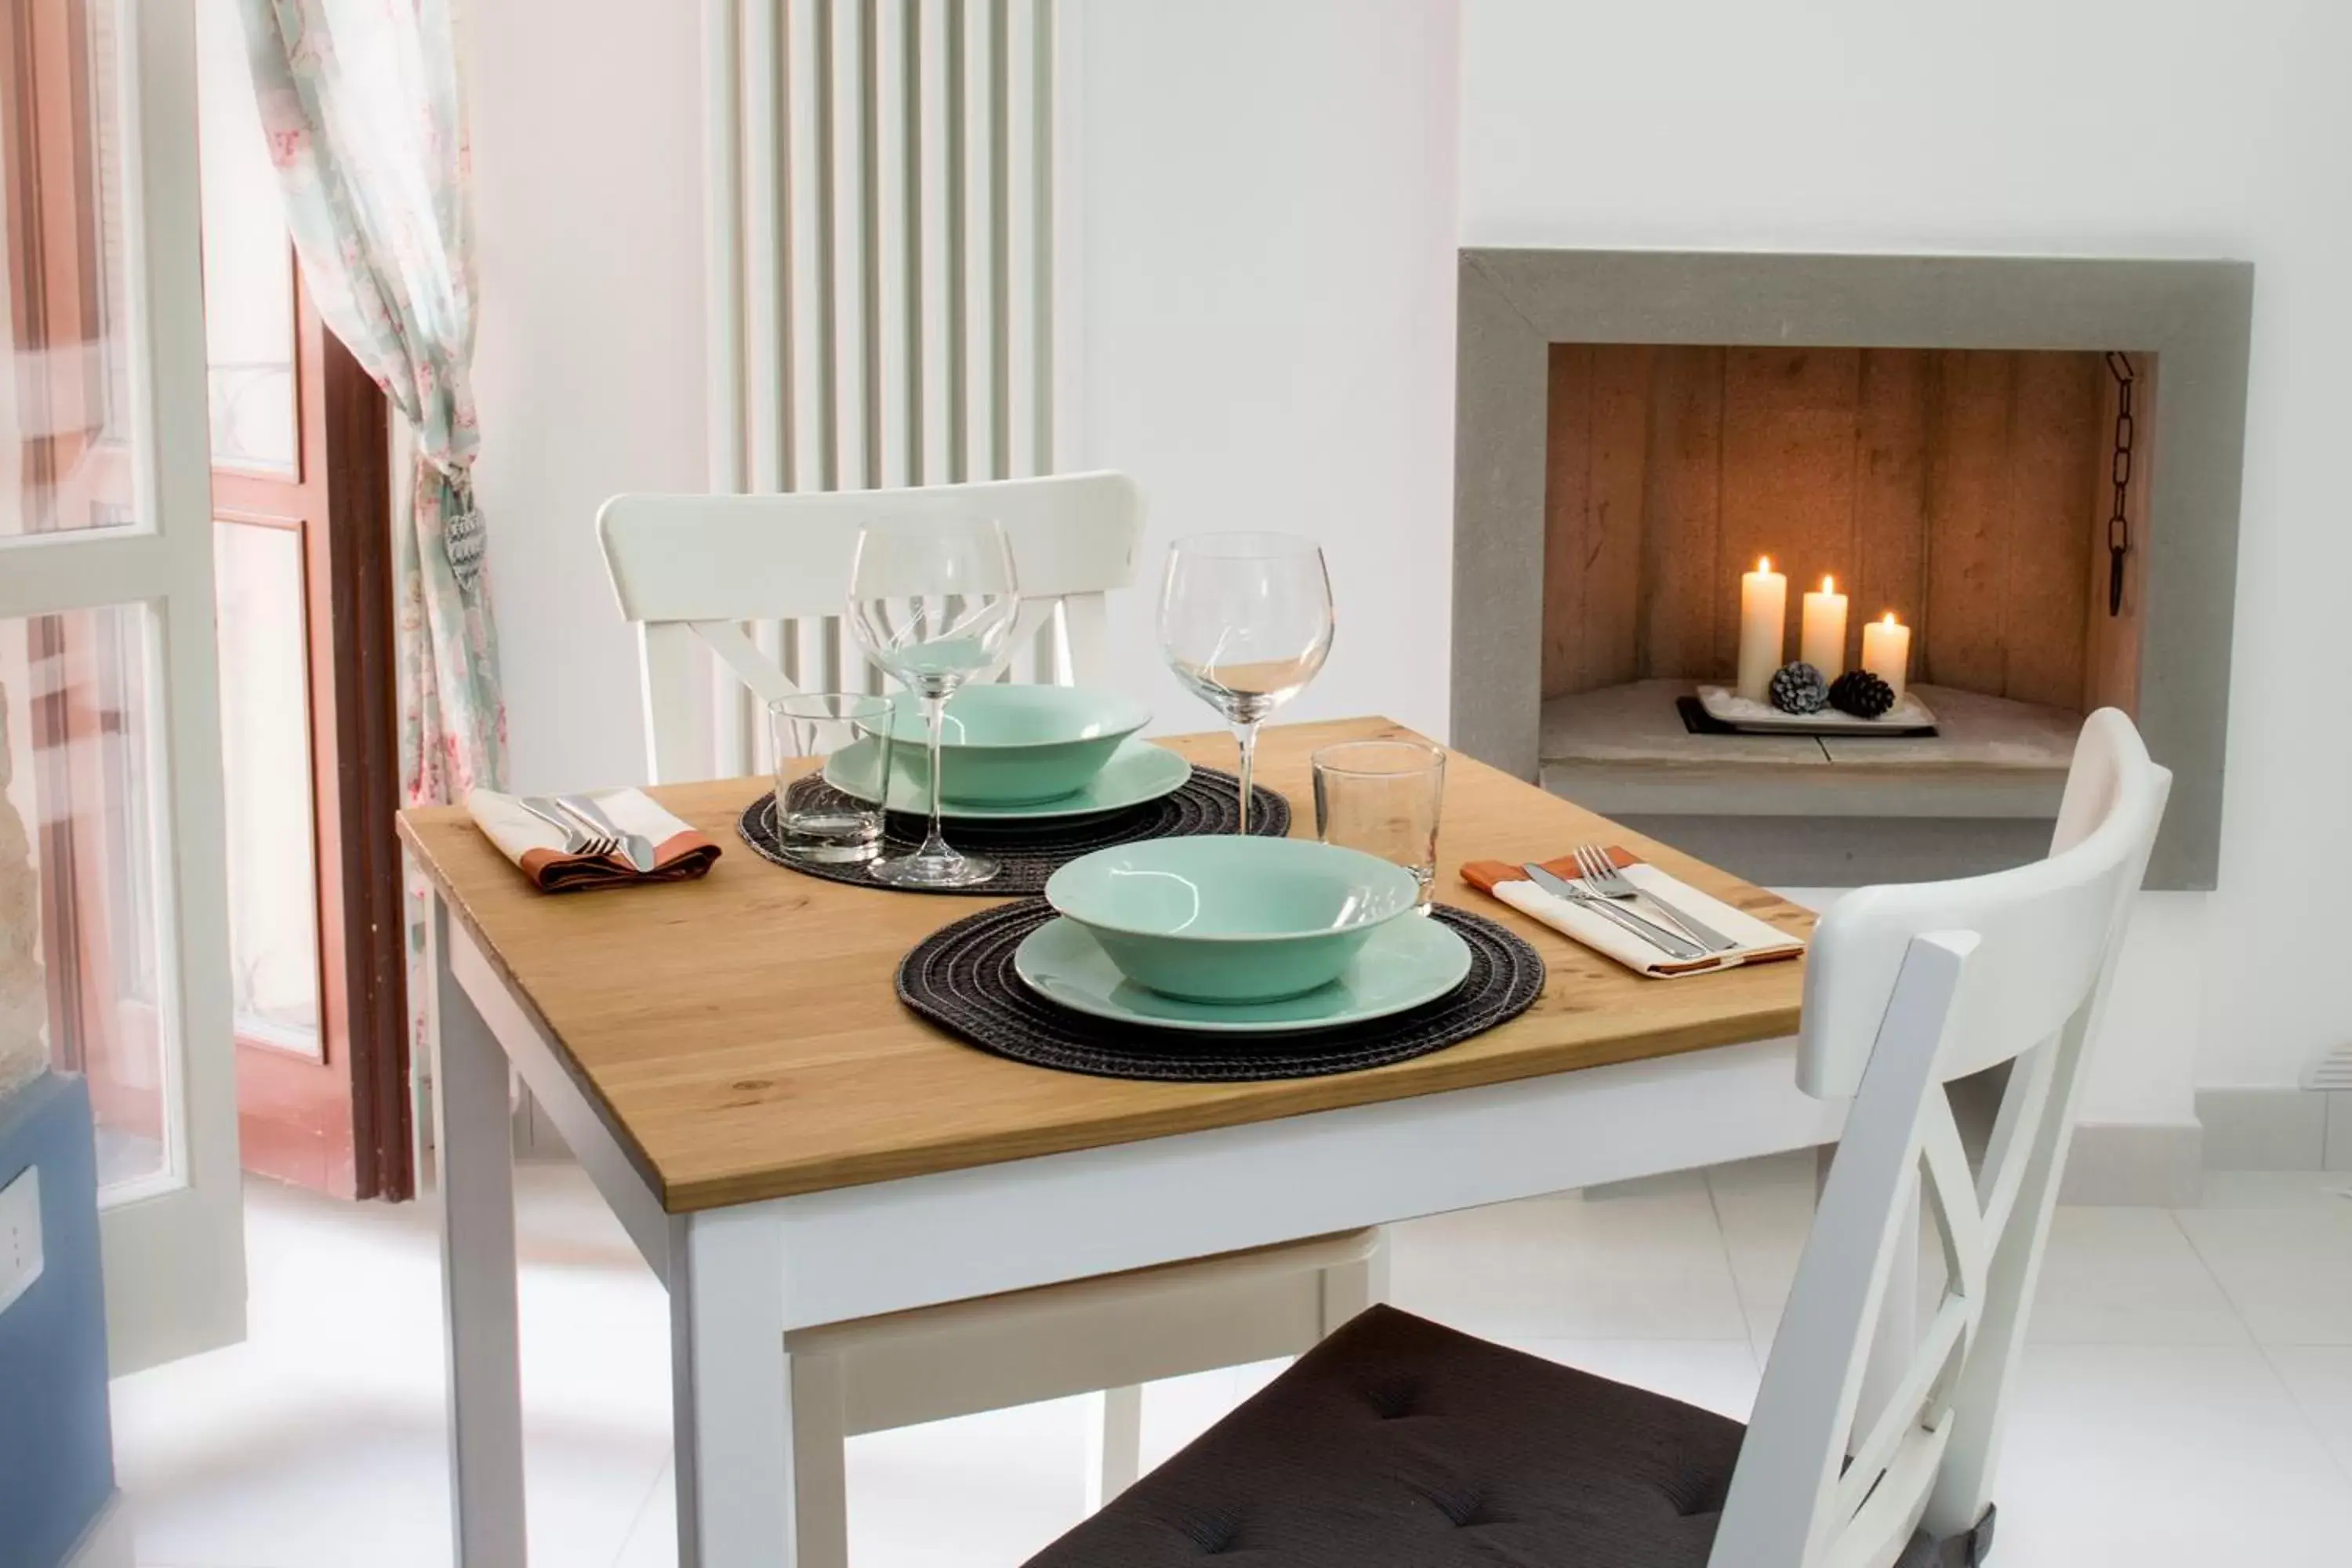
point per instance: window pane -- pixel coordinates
(65, 407)
(265, 747)
(80, 882)
(248, 264)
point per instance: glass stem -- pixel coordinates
(935, 713)
(1245, 736)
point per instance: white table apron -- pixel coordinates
(739, 1278)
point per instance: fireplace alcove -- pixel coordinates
(1636, 429)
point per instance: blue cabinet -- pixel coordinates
(56, 1461)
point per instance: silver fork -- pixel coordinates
(592, 841)
(635, 846)
(575, 840)
(1600, 873)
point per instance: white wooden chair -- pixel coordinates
(1397, 1443)
(762, 581)
(1911, 988)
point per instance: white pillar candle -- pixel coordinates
(1822, 642)
(1763, 627)
(1886, 651)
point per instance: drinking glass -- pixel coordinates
(1246, 623)
(1383, 797)
(932, 601)
(807, 729)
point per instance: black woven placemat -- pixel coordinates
(1026, 853)
(961, 977)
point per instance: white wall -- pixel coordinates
(587, 163)
(1264, 235)
(2108, 127)
(1261, 317)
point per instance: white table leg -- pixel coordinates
(1352, 1288)
(731, 1393)
(820, 1456)
(478, 1272)
(1114, 1443)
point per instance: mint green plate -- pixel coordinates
(1137, 772)
(1405, 963)
(1228, 919)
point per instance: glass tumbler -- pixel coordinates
(807, 729)
(1383, 797)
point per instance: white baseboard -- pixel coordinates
(2279, 1129)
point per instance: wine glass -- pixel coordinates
(1245, 621)
(932, 601)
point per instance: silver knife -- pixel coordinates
(635, 846)
(1657, 936)
(1706, 935)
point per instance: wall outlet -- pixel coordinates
(20, 1235)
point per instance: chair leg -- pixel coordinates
(820, 1472)
(1115, 1446)
(1350, 1288)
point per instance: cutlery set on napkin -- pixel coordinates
(1616, 903)
(564, 843)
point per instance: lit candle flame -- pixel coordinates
(1763, 564)
(1829, 584)
(1890, 618)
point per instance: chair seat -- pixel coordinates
(1397, 1443)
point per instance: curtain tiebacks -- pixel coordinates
(462, 537)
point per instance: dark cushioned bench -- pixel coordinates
(1397, 1443)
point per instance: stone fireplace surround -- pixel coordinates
(2195, 316)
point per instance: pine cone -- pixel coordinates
(1862, 694)
(1799, 689)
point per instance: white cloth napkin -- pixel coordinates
(1759, 942)
(537, 847)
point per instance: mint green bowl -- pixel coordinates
(1015, 745)
(1231, 919)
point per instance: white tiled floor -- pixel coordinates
(2187, 1400)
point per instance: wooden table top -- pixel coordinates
(741, 1036)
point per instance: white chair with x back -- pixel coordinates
(1400, 1444)
(762, 581)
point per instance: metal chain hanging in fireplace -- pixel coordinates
(2119, 469)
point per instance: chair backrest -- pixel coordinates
(1908, 988)
(761, 580)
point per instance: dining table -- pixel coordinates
(787, 1146)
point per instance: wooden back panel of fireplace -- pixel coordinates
(1965, 489)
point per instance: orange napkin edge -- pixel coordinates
(680, 857)
(1484, 875)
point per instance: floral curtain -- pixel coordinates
(364, 111)
(365, 114)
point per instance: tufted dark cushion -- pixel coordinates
(1400, 1444)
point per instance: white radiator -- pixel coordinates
(881, 244)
